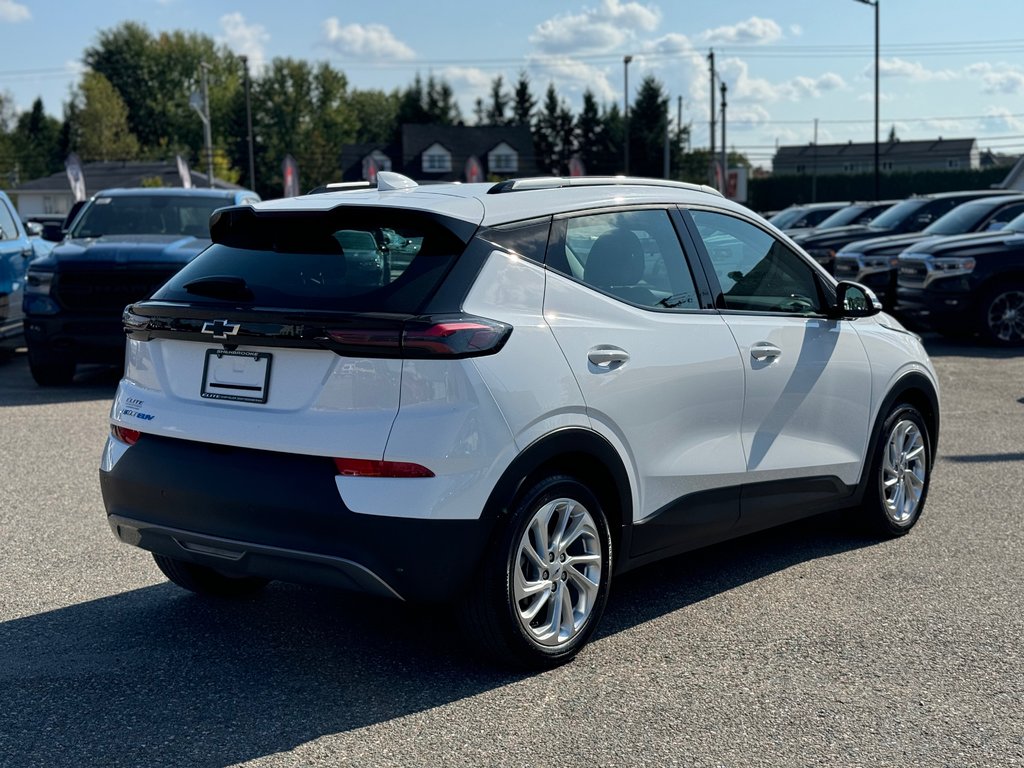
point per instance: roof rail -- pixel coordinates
(558, 182)
(341, 186)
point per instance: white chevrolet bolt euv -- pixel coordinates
(501, 396)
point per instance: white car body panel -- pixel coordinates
(806, 411)
(673, 407)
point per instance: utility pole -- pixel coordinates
(714, 109)
(625, 105)
(668, 125)
(206, 121)
(725, 159)
(814, 176)
(248, 125)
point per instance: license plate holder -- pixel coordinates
(236, 375)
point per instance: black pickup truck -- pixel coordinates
(123, 245)
(966, 284)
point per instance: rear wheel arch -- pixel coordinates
(578, 453)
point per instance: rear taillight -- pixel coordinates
(125, 435)
(424, 337)
(373, 468)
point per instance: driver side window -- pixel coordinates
(757, 273)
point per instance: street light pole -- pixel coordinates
(878, 185)
(248, 124)
(625, 100)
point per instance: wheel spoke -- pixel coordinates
(523, 588)
(588, 586)
(568, 619)
(535, 607)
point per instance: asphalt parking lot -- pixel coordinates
(803, 646)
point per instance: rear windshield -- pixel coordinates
(366, 260)
(148, 215)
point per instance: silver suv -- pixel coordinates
(550, 381)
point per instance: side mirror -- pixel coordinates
(33, 228)
(855, 300)
(53, 233)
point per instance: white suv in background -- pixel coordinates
(549, 382)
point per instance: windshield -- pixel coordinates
(1017, 224)
(898, 214)
(963, 218)
(843, 216)
(143, 214)
(785, 218)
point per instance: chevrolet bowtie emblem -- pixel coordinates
(221, 329)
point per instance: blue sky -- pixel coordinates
(949, 68)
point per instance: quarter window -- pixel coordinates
(756, 272)
(632, 255)
(8, 229)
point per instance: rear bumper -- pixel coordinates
(279, 516)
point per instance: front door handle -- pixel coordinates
(607, 357)
(764, 351)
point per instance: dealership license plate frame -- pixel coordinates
(231, 374)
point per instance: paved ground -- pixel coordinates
(799, 647)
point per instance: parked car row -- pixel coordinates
(952, 262)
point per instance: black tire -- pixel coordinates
(490, 612)
(207, 581)
(1001, 315)
(900, 471)
(51, 371)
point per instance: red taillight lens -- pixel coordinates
(457, 337)
(125, 435)
(373, 468)
(452, 336)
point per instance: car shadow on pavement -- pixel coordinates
(157, 676)
(940, 346)
(92, 382)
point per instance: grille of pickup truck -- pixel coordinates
(107, 289)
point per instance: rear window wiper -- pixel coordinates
(227, 287)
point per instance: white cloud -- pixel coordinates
(910, 70)
(754, 30)
(1000, 119)
(373, 41)
(796, 30)
(13, 12)
(605, 27)
(572, 76)
(244, 39)
(1006, 78)
(803, 87)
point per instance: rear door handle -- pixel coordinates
(607, 357)
(763, 351)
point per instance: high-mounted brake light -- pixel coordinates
(374, 468)
(125, 435)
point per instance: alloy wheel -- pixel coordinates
(557, 572)
(904, 472)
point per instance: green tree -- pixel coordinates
(102, 122)
(375, 114)
(35, 142)
(554, 134)
(648, 126)
(500, 100)
(523, 102)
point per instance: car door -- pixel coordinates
(15, 253)
(660, 373)
(807, 390)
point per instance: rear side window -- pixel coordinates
(366, 260)
(632, 255)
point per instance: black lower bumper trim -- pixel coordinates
(243, 558)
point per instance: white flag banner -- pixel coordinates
(75, 176)
(184, 172)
